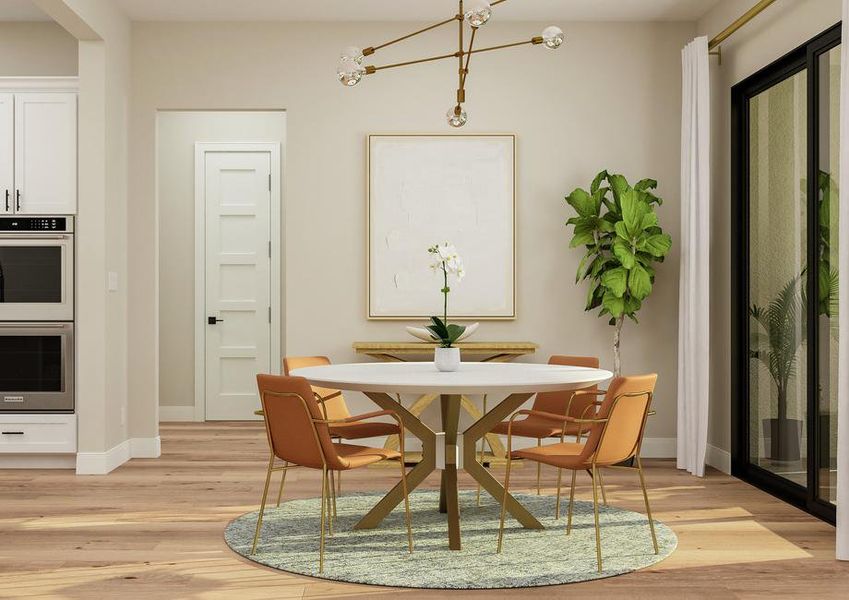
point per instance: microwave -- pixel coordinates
(36, 268)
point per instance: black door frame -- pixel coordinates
(805, 57)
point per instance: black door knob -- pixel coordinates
(213, 320)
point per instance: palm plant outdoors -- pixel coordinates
(622, 241)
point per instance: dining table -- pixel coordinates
(448, 450)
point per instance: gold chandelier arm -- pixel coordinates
(370, 69)
(497, 2)
(371, 49)
(468, 58)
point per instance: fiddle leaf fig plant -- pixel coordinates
(616, 225)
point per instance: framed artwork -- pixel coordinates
(427, 189)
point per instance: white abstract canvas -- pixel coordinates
(426, 189)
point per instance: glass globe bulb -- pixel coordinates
(477, 12)
(349, 72)
(552, 37)
(352, 53)
(455, 118)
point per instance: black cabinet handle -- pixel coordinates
(13, 433)
(17, 200)
(213, 320)
(7, 200)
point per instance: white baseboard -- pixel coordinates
(101, 463)
(176, 413)
(719, 459)
(145, 447)
(38, 461)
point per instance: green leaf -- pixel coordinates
(596, 293)
(613, 304)
(618, 184)
(639, 283)
(646, 184)
(622, 231)
(584, 238)
(656, 245)
(616, 281)
(582, 202)
(585, 265)
(622, 251)
(455, 331)
(634, 209)
(649, 220)
(597, 182)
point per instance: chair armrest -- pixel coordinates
(583, 393)
(553, 417)
(323, 399)
(362, 417)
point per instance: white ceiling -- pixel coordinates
(384, 10)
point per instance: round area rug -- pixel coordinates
(289, 542)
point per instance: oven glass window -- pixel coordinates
(30, 274)
(31, 363)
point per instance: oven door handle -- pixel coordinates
(29, 236)
(33, 326)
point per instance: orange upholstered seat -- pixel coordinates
(615, 426)
(300, 435)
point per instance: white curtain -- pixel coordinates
(694, 241)
(843, 310)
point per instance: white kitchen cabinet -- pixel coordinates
(7, 152)
(45, 154)
(37, 433)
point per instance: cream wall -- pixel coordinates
(610, 98)
(40, 48)
(177, 132)
(779, 29)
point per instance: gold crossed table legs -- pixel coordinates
(448, 496)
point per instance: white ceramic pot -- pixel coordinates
(446, 359)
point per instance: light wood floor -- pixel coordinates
(153, 529)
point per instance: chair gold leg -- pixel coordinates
(483, 448)
(595, 514)
(539, 468)
(648, 508)
(262, 504)
(339, 483)
(282, 482)
(504, 499)
(407, 516)
(323, 511)
(333, 476)
(571, 502)
(601, 485)
(557, 504)
(329, 501)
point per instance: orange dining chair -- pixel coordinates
(299, 435)
(558, 403)
(335, 409)
(615, 434)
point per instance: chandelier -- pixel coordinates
(476, 13)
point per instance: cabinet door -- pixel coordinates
(7, 152)
(45, 153)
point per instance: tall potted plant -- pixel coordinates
(618, 228)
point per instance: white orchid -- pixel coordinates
(447, 261)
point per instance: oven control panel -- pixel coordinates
(36, 224)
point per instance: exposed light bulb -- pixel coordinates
(349, 72)
(477, 12)
(552, 37)
(457, 117)
(353, 53)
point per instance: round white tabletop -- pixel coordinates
(471, 378)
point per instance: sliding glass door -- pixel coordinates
(785, 147)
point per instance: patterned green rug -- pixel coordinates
(289, 542)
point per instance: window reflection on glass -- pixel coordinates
(778, 253)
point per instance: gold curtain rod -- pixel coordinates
(739, 23)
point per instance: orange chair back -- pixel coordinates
(619, 438)
(556, 402)
(291, 412)
(336, 407)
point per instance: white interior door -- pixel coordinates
(237, 189)
(7, 152)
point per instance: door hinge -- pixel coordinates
(269, 182)
(269, 314)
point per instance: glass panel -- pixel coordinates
(30, 274)
(778, 251)
(31, 363)
(829, 151)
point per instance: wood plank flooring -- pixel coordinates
(153, 529)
